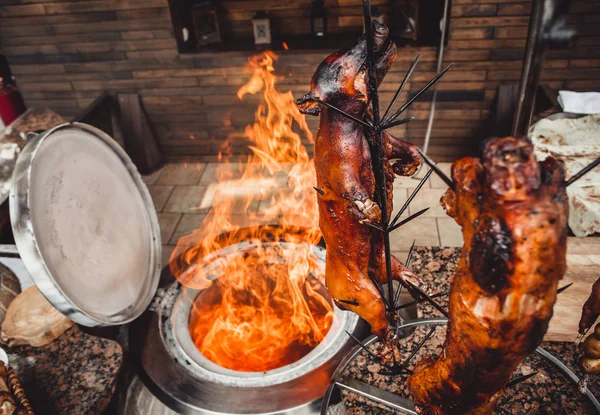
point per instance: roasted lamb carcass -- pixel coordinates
(513, 214)
(345, 178)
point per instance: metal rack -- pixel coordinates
(546, 27)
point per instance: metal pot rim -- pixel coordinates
(174, 315)
(29, 249)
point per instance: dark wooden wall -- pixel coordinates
(65, 53)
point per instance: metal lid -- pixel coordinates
(85, 225)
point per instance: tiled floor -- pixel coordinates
(183, 194)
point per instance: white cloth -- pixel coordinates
(579, 102)
(577, 143)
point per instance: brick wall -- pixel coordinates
(65, 53)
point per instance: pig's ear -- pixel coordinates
(308, 105)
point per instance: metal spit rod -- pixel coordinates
(546, 26)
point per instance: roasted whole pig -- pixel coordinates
(513, 214)
(345, 178)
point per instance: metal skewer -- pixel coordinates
(399, 122)
(378, 155)
(415, 302)
(416, 349)
(344, 113)
(410, 253)
(582, 172)
(520, 379)
(411, 217)
(418, 94)
(428, 298)
(402, 85)
(561, 289)
(408, 258)
(411, 197)
(436, 169)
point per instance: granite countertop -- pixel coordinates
(549, 392)
(75, 374)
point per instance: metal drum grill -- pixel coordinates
(186, 381)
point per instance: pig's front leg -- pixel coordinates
(405, 156)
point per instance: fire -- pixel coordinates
(263, 304)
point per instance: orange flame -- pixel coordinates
(263, 303)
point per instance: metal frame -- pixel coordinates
(399, 403)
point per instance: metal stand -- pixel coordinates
(404, 405)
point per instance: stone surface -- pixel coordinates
(401, 255)
(168, 222)
(151, 178)
(75, 374)
(9, 288)
(160, 195)
(428, 198)
(167, 250)
(215, 172)
(181, 173)
(185, 199)
(450, 232)
(189, 222)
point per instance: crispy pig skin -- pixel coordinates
(513, 214)
(346, 180)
